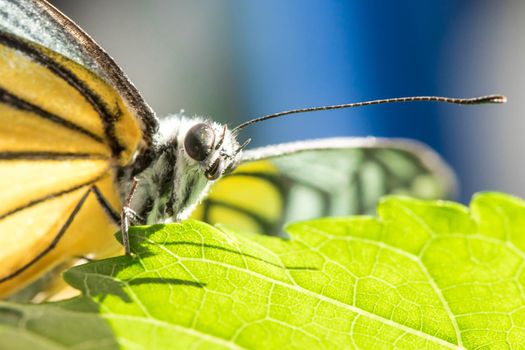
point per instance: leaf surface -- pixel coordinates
(424, 274)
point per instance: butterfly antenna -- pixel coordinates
(458, 101)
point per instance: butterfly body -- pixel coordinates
(170, 182)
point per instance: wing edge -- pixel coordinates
(429, 158)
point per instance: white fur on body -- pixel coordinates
(173, 173)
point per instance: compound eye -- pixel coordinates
(199, 141)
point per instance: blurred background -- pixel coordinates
(233, 60)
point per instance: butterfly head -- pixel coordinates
(191, 153)
(214, 147)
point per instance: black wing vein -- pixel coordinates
(20, 104)
(62, 72)
(50, 196)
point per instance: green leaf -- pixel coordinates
(432, 275)
(69, 324)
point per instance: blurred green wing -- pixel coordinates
(331, 177)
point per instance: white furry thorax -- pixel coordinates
(173, 184)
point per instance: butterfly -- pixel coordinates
(82, 154)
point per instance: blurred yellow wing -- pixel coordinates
(251, 199)
(332, 177)
(64, 133)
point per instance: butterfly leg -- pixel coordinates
(126, 215)
(108, 209)
(53, 243)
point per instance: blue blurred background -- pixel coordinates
(233, 60)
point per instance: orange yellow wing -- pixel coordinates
(64, 133)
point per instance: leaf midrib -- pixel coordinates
(318, 296)
(415, 259)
